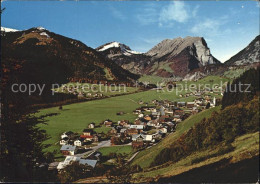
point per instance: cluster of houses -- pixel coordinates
(79, 91)
(70, 141)
(152, 124)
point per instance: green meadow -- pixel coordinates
(76, 117)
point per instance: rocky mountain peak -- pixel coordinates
(249, 55)
(196, 46)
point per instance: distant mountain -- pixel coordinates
(169, 58)
(249, 55)
(45, 56)
(122, 55)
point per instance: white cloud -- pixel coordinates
(117, 14)
(195, 11)
(175, 11)
(210, 27)
(148, 14)
(167, 15)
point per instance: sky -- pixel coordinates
(227, 26)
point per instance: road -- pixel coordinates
(106, 143)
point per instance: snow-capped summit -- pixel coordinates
(41, 28)
(5, 29)
(125, 50)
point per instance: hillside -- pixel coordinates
(249, 55)
(222, 143)
(46, 56)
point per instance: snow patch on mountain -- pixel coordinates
(124, 49)
(5, 29)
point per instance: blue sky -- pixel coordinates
(227, 26)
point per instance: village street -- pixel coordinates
(106, 143)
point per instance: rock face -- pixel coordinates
(248, 55)
(169, 58)
(196, 46)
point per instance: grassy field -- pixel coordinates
(245, 147)
(116, 149)
(76, 117)
(146, 157)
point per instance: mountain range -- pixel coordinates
(47, 56)
(37, 54)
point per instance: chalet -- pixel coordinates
(64, 141)
(95, 138)
(190, 104)
(179, 112)
(132, 131)
(139, 128)
(70, 159)
(79, 142)
(163, 130)
(137, 144)
(140, 115)
(91, 125)
(123, 131)
(120, 113)
(123, 123)
(68, 134)
(88, 132)
(68, 150)
(108, 123)
(64, 135)
(87, 137)
(137, 111)
(113, 131)
(181, 104)
(147, 118)
(142, 137)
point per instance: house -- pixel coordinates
(190, 104)
(181, 104)
(142, 137)
(70, 159)
(179, 112)
(108, 123)
(68, 134)
(132, 131)
(91, 125)
(113, 131)
(95, 138)
(140, 115)
(79, 142)
(88, 132)
(147, 118)
(139, 128)
(120, 113)
(123, 131)
(87, 137)
(68, 150)
(123, 123)
(137, 144)
(163, 130)
(64, 141)
(64, 135)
